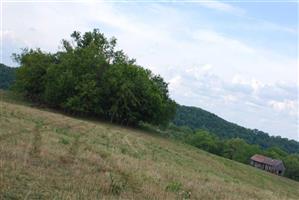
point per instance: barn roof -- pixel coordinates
(265, 160)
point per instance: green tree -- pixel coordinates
(131, 96)
(292, 166)
(206, 141)
(237, 149)
(30, 76)
(275, 152)
(88, 76)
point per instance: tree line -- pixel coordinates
(239, 150)
(89, 76)
(236, 149)
(197, 118)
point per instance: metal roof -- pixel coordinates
(265, 160)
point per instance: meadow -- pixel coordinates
(48, 155)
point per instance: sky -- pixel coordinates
(237, 59)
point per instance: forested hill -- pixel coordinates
(197, 118)
(7, 76)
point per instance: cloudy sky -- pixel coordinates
(235, 59)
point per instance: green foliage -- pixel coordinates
(7, 76)
(31, 77)
(129, 92)
(237, 149)
(197, 118)
(88, 76)
(292, 166)
(291, 161)
(276, 152)
(206, 141)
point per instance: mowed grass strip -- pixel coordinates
(46, 155)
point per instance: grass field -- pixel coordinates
(47, 155)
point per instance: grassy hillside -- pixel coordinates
(47, 155)
(197, 118)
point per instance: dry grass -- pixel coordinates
(44, 155)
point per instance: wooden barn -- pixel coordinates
(267, 164)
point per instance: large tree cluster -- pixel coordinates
(89, 76)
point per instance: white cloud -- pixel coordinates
(239, 99)
(230, 98)
(263, 25)
(287, 105)
(220, 6)
(204, 67)
(253, 84)
(210, 37)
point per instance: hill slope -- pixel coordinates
(197, 118)
(49, 155)
(7, 76)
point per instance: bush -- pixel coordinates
(90, 77)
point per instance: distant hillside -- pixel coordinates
(7, 76)
(197, 118)
(46, 155)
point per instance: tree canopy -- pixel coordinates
(89, 76)
(7, 76)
